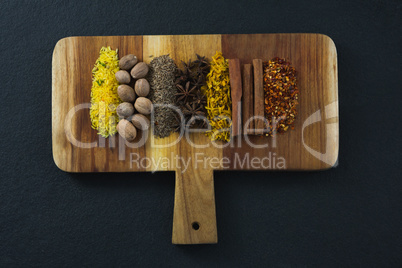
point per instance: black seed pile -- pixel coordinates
(161, 78)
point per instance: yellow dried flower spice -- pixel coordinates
(219, 102)
(104, 97)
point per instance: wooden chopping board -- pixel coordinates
(312, 145)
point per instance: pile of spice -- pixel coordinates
(219, 103)
(163, 94)
(280, 95)
(189, 97)
(132, 70)
(104, 98)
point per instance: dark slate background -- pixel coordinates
(347, 216)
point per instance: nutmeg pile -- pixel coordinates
(133, 91)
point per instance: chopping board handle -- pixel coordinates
(194, 216)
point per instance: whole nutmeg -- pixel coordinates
(140, 121)
(126, 130)
(128, 61)
(125, 109)
(126, 93)
(140, 70)
(143, 105)
(142, 87)
(123, 77)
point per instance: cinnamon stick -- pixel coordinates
(248, 99)
(258, 96)
(236, 93)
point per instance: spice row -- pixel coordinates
(280, 95)
(219, 96)
(269, 97)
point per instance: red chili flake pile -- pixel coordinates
(281, 94)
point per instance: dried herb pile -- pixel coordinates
(280, 94)
(189, 97)
(219, 103)
(163, 92)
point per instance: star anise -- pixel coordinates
(177, 122)
(195, 115)
(180, 77)
(197, 81)
(192, 109)
(201, 60)
(188, 68)
(202, 123)
(189, 97)
(204, 70)
(200, 99)
(185, 92)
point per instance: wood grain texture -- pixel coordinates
(194, 204)
(313, 145)
(194, 191)
(73, 60)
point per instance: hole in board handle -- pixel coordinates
(195, 225)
